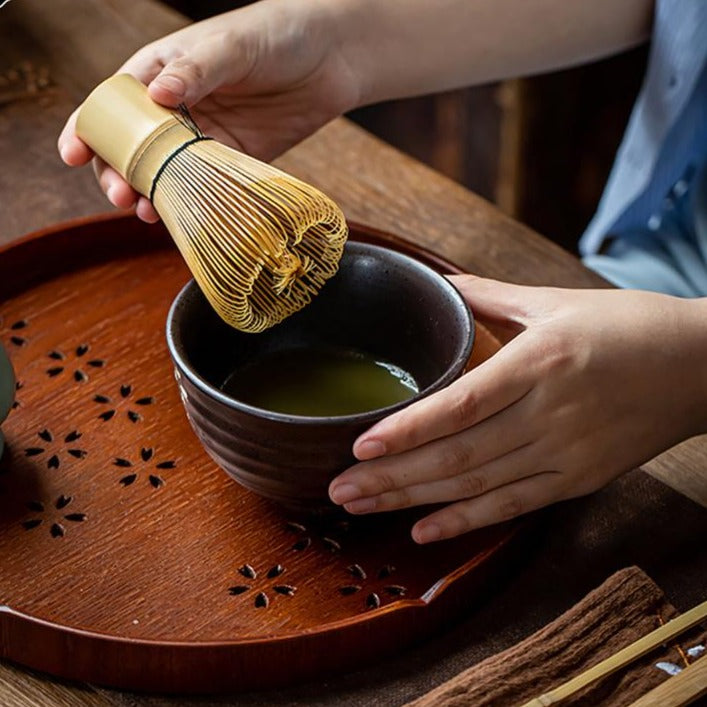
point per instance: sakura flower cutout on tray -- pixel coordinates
(73, 363)
(377, 586)
(260, 588)
(16, 403)
(17, 335)
(321, 536)
(56, 451)
(125, 402)
(145, 465)
(53, 516)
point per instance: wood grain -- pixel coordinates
(627, 655)
(683, 468)
(158, 572)
(79, 44)
(20, 688)
(373, 182)
(682, 689)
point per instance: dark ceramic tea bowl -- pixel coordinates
(380, 302)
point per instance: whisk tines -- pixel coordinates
(290, 268)
(260, 243)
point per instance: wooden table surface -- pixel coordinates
(79, 43)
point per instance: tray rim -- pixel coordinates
(401, 607)
(404, 244)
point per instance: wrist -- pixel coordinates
(691, 361)
(355, 27)
(319, 31)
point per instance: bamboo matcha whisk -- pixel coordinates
(259, 242)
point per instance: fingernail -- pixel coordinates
(109, 195)
(63, 152)
(344, 493)
(173, 84)
(427, 534)
(369, 449)
(361, 505)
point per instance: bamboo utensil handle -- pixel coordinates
(623, 657)
(260, 243)
(681, 689)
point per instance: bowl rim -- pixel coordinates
(449, 375)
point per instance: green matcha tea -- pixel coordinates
(319, 382)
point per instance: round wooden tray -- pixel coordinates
(127, 557)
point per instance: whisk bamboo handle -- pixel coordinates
(131, 132)
(259, 242)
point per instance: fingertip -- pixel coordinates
(343, 493)
(167, 89)
(74, 152)
(121, 194)
(367, 449)
(423, 532)
(146, 211)
(361, 506)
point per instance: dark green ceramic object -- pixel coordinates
(7, 391)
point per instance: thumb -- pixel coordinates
(191, 77)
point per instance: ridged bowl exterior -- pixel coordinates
(292, 459)
(291, 463)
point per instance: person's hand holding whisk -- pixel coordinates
(255, 79)
(266, 76)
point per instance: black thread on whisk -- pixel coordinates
(185, 118)
(170, 158)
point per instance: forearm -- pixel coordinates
(412, 47)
